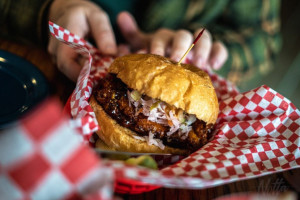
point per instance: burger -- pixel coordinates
(150, 104)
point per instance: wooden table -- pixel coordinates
(61, 87)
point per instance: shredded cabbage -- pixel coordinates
(157, 142)
(150, 140)
(156, 111)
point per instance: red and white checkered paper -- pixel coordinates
(257, 132)
(41, 157)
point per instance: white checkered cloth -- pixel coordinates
(43, 158)
(257, 132)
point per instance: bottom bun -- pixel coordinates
(119, 138)
(101, 145)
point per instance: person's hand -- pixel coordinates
(84, 19)
(206, 53)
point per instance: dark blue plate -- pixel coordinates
(22, 86)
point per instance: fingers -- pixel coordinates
(160, 41)
(102, 32)
(65, 57)
(202, 49)
(83, 19)
(218, 55)
(207, 53)
(131, 31)
(123, 50)
(67, 62)
(182, 41)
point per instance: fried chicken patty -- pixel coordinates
(111, 94)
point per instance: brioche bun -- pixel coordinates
(183, 86)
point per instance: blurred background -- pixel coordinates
(285, 77)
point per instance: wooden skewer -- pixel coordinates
(192, 45)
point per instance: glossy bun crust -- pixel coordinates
(184, 86)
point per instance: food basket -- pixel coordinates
(257, 133)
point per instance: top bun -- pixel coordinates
(184, 86)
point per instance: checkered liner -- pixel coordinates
(37, 163)
(94, 69)
(257, 133)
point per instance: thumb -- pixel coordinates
(131, 31)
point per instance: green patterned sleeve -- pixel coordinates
(251, 32)
(25, 20)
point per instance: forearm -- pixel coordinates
(25, 20)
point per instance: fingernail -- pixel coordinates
(215, 65)
(175, 58)
(110, 49)
(158, 52)
(199, 62)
